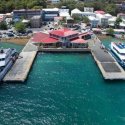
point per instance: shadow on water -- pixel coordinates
(60, 53)
(118, 82)
(3, 84)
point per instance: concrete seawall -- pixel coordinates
(81, 50)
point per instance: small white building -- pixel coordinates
(93, 21)
(64, 13)
(88, 9)
(103, 20)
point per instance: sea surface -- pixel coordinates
(62, 89)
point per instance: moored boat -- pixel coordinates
(118, 52)
(7, 59)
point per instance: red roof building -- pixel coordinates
(43, 38)
(39, 36)
(60, 36)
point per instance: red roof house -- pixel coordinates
(100, 12)
(78, 41)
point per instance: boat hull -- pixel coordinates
(9, 65)
(5, 70)
(117, 58)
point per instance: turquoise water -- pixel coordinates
(63, 89)
(10, 45)
(108, 40)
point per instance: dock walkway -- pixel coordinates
(22, 66)
(110, 69)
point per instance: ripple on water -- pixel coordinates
(63, 89)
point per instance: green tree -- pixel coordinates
(77, 18)
(110, 31)
(63, 20)
(20, 27)
(86, 20)
(71, 4)
(37, 7)
(117, 22)
(80, 6)
(9, 5)
(3, 26)
(111, 8)
(97, 5)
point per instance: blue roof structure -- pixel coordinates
(121, 45)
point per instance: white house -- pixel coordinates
(86, 13)
(93, 21)
(111, 21)
(107, 15)
(122, 24)
(76, 12)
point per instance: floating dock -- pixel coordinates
(23, 64)
(108, 66)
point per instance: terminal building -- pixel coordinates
(62, 38)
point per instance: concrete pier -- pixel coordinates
(108, 66)
(23, 64)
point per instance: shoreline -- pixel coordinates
(102, 37)
(18, 41)
(24, 40)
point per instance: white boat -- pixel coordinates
(7, 59)
(118, 51)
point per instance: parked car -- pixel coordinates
(51, 28)
(9, 34)
(29, 31)
(76, 27)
